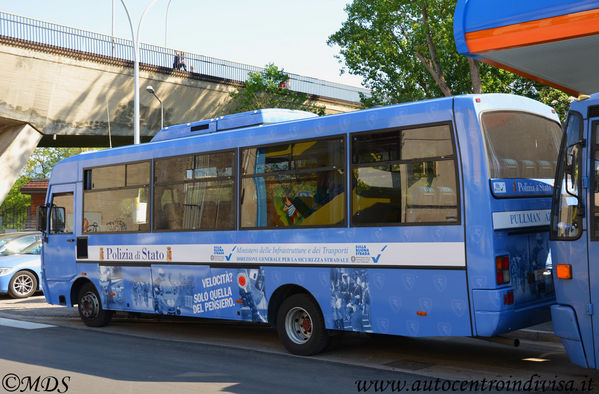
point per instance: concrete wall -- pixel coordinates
(55, 97)
(67, 96)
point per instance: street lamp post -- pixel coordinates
(150, 90)
(136, 132)
(166, 22)
(112, 30)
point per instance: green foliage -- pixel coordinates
(267, 89)
(15, 200)
(42, 160)
(38, 166)
(405, 51)
(555, 98)
(381, 38)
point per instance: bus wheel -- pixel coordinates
(22, 285)
(90, 307)
(301, 326)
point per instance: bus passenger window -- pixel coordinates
(195, 192)
(404, 176)
(294, 184)
(116, 198)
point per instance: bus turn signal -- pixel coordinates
(564, 271)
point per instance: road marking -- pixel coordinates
(27, 325)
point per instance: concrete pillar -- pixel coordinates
(17, 142)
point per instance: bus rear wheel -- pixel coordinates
(90, 307)
(300, 326)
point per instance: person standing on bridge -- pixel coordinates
(182, 64)
(177, 61)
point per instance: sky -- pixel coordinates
(290, 34)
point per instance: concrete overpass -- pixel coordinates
(61, 86)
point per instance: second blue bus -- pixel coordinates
(422, 219)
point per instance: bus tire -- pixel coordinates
(90, 307)
(22, 285)
(300, 325)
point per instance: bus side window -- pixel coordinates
(195, 192)
(294, 184)
(116, 198)
(404, 176)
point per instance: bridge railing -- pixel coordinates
(46, 33)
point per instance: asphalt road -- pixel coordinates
(144, 354)
(95, 361)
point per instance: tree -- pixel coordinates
(14, 199)
(267, 89)
(402, 50)
(39, 166)
(42, 160)
(405, 51)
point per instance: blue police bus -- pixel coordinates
(539, 39)
(421, 219)
(575, 234)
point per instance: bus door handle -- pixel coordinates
(71, 240)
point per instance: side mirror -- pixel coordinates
(42, 219)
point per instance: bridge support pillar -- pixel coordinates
(17, 142)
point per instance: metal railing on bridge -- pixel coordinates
(46, 33)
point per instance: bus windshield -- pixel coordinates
(520, 145)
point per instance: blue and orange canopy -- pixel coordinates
(555, 42)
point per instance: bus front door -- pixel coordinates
(59, 260)
(571, 244)
(593, 235)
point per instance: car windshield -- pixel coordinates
(34, 248)
(7, 237)
(17, 245)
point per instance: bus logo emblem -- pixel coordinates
(499, 187)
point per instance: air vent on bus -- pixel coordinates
(200, 127)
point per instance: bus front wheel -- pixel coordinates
(300, 325)
(90, 307)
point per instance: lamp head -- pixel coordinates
(150, 89)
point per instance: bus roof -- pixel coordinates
(550, 41)
(230, 122)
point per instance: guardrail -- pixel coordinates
(46, 33)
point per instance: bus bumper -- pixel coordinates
(58, 292)
(492, 317)
(566, 327)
